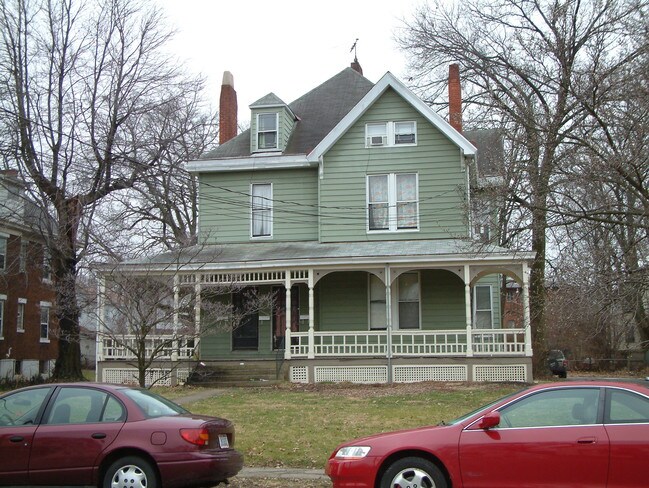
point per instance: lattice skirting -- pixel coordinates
(353, 374)
(416, 373)
(299, 374)
(160, 376)
(500, 372)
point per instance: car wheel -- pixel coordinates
(130, 472)
(413, 471)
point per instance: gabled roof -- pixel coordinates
(270, 100)
(323, 115)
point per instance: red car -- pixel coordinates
(110, 436)
(571, 434)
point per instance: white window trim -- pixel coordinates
(396, 301)
(390, 135)
(266, 149)
(270, 204)
(23, 302)
(3, 261)
(48, 305)
(392, 204)
(475, 306)
(22, 259)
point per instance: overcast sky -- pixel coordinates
(286, 47)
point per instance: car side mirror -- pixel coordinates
(492, 419)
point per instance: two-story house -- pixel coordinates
(351, 206)
(28, 342)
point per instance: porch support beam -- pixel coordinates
(197, 314)
(527, 322)
(101, 313)
(287, 334)
(174, 343)
(388, 312)
(467, 310)
(311, 350)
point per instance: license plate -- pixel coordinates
(223, 441)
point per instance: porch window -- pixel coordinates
(482, 307)
(378, 317)
(392, 202)
(262, 210)
(409, 301)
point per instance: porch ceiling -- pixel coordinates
(313, 253)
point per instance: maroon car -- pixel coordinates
(572, 434)
(110, 436)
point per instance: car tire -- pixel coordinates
(131, 472)
(413, 471)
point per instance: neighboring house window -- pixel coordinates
(45, 321)
(2, 315)
(388, 134)
(378, 318)
(392, 202)
(3, 253)
(409, 301)
(267, 131)
(20, 315)
(47, 266)
(482, 304)
(23, 256)
(262, 210)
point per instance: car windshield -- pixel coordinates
(479, 410)
(153, 405)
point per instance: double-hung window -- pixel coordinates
(261, 210)
(482, 307)
(267, 131)
(392, 202)
(389, 134)
(45, 321)
(378, 310)
(2, 314)
(409, 301)
(405, 133)
(3, 253)
(20, 315)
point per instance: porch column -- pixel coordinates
(287, 334)
(101, 314)
(388, 312)
(197, 315)
(174, 340)
(527, 323)
(311, 351)
(467, 310)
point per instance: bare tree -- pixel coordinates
(88, 93)
(522, 60)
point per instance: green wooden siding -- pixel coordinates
(442, 300)
(442, 179)
(225, 205)
(343, 302)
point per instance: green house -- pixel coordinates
(350, 207)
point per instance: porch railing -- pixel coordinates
(124, 347)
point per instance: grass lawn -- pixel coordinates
(299, 426)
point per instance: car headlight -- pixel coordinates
(353, 452)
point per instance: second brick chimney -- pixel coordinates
(227, 109)
(454, 97)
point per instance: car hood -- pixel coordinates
(406, 437)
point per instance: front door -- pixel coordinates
(245, 337)
(279, 314)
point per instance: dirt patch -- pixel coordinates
(276, 483)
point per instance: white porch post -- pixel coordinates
(197, 314)
(388, 312)
(101, 324)
(287, 315)
(174, 342)
(467, 310)
(311, 351)
(527, 323)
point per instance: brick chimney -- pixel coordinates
(454, 97)
(227, 109)
(356, 66)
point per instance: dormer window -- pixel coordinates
(267, 131)
(388, 134)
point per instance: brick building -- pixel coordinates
(28, 341)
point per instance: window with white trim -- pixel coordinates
(3, 253)
(22, 263)
(409, 309)
(482, 307)
(392, 133)
(261, 210)
(45, 321)
(392, 202)
(267, 130)
(2, 315)
(20, 315)
(378, 317)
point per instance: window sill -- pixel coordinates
(390, 146)
(397, 231)
(44, 341)
(261, 238)
(20, 331)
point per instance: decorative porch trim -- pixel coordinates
(121, 376)
(444, 372)
(500, 372)
(299, 374)
(352, 374)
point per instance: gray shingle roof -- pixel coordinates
(319, 111)
(268, 100)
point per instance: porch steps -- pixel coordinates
(237, 374)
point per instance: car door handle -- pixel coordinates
(587, 440)
(98, 435)
(17, 438)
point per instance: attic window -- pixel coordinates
(388, 134)
(404, 133)
(267, 131)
